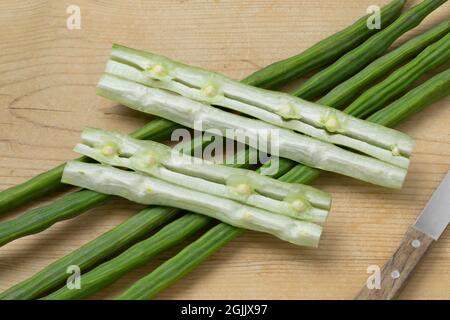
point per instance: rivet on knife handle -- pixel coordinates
(399, 267)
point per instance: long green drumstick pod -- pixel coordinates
(358, 58)
(41, 218)
(423, 95)
(344, 93)
(217, 237)
(329, 49)
(338, 43)
(399, 81)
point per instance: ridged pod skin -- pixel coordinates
(346, 92)
(415, 100)
(358, 58)
(400, 80)
(324, 51)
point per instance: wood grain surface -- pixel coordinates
(47, 96)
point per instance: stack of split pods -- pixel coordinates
(162, 176)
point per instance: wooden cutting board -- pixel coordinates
(48, 75)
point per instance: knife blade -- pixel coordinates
(428, 227)
(436, 215)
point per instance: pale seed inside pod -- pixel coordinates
(243, 188)
(298, 205)
(209, 90)
(331, 124)
(158, 70)
(395, 151)
(151, 160)
(108, 150)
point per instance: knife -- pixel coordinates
(428, 228)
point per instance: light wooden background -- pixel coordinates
(47, 96)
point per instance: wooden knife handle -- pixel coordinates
(399, 267)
